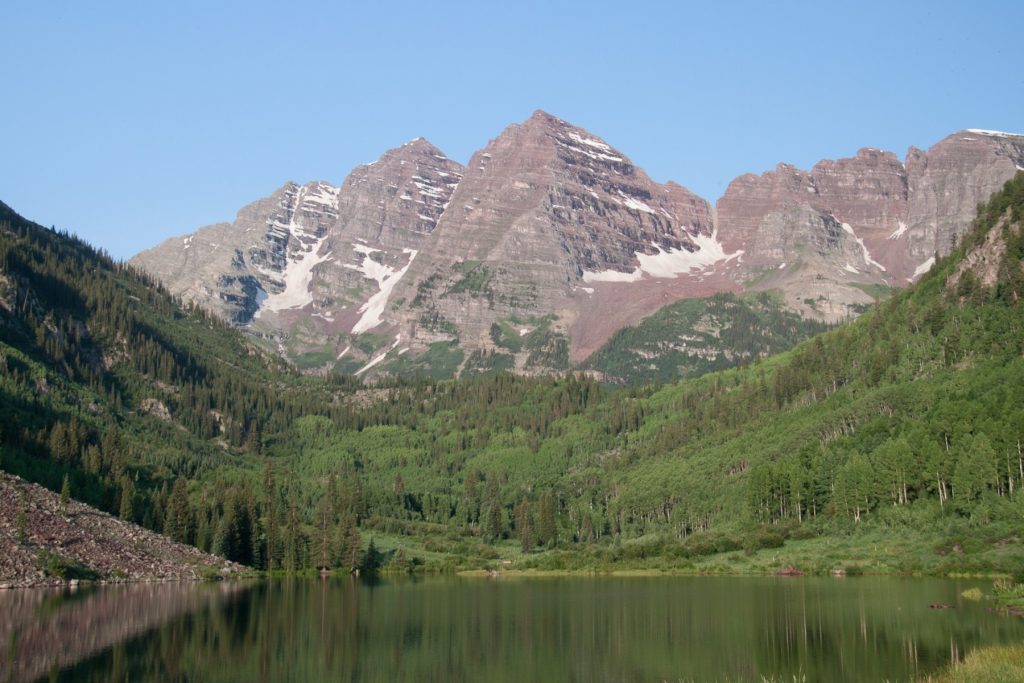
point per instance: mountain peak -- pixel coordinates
(416, 147)
(993, 133)
(541, 116)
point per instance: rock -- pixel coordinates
(551, 240)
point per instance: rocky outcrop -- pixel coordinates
(551, 240)
(78, 539)
(826, 236)
(544, 213)
(310, 263)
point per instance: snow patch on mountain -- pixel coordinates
(899, 232)
(324, 194)
(635, 204)
(922, 269)
(386, 277)
(863, 247)
(297, 277)
(670, 263)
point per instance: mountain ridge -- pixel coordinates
(550, 226)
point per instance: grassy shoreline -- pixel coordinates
(991, 664)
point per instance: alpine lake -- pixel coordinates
(511, 629)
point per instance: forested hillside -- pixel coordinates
(105, 378)
(692, 337)
(907, 420)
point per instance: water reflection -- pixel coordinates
(552, 630)
(45, 630)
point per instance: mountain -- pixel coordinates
(826, 236)
(550, 241)
(891, 440)
(107, 380)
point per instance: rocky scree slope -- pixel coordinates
(73, 541)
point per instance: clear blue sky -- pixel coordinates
(131, 122)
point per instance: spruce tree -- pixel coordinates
(65, 494)
(124, 509)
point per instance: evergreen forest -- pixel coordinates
(889, 443)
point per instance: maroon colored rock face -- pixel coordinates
(550, 228)
(892, 218)
(542, 211)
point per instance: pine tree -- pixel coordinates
(546, 531)
(524, 524)
(125, 509)
(65, 494)
(22, 532)
(371, 561)
(494, 523)
(270, 515)
(324, 519)
(179, 520)
(293, 540)
(351, 544)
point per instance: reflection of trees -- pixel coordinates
(42, 629)
(559, 630)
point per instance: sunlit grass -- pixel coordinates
(995, 664)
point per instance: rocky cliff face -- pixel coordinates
(544, 213)
(311, 263)
(828, 236)
(551, 240)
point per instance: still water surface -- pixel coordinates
(452, 629)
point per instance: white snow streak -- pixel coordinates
(851, 269)
(590, 142)
(669, 264)
(898, 232)
(324, 194)
(386, 277)
(342, 354)
(635, 204)
(867, 255)
(922, 269)
(377, 359)
(297, 276)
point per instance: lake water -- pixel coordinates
(455, 629)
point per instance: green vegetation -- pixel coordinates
(440, 361)
(434, 321)
(695, 336)
(992, 664)
(475, 280)
(487, 363)
(63, 568)
(506, 336)
(1009, 593)
(888, 444)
